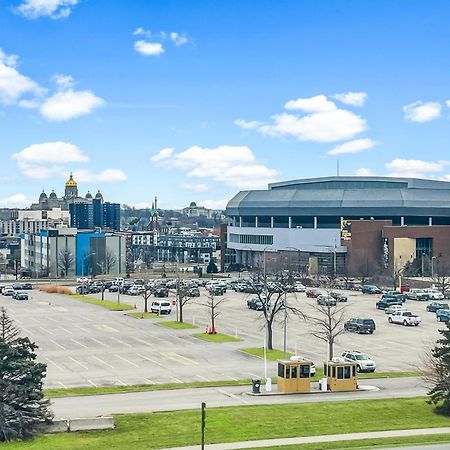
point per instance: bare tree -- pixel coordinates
(110, 261)
(146, 294)
(65, 262)
(363, 266)
(441, 274)
(328, 324)
(213, 303)
(182, 296)
(273, 298)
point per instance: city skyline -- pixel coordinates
(196, 102)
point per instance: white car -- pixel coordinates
(363, 362)
(302, 358)
(434, 294)
(404, 318)
(8, 290)
(298, 287)
(393, 308)
(160, 307)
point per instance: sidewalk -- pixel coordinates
(318, 439)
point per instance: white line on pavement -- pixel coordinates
(93, 384)
(120, 342)
(59, 345)
(79, 343)
(51, 362)
(202, 378)
(45, 330)
(62, 384)
(150, 359)
(126, 360)
(65, 330)
(179, 358)
(146, 343)
(149, 381)
(177, 380)
(101, 360)
(79, 363)
(121, 382)
(99, 342)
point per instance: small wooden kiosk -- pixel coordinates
(341, 375)
(294, 376)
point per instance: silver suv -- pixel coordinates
(364, 363)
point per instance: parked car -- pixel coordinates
(8, 291)
(417, 294)
(17, 286)
(393, 308)
(194, 292)
(27, 286)
(257, 304)
(135, 290)
(20, 295)
(160, 307)
(370, 289)
(364, 363)
(385, 302)
(113, 288)
(312, 371)
(326, 300)
(360, 325)
(338, 296)
(395, 294)
(404, 318)
(443, 315)
(312, 293)
(83, 289)
(298, 287)
(161, 292)
(434, 306)
(217, 290)
(434, 294)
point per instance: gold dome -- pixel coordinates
(71, 182)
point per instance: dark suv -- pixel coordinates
(385, 302)
(370, 289)
(360, 325)
(399, 296)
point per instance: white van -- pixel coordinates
(160, 307)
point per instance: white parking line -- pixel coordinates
(99, 342)
(53, 320)
(79, 343)
(146, 343)
(101, 360)
(46, 330)
(232, 378)
(62, 384)
(120, 342)
(53, 363)
(176, 380)
(121, 382)
(150, 359)
(126, 360)
(93, 384)
(149, 381)
(65, 330)
(202, 378)
(78, 362)
(180, 359)
(59, 345)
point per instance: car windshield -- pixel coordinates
(361, 357)
(407, 313)
(367, 322)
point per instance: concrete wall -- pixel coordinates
(404, 251)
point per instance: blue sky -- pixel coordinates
(197, 100)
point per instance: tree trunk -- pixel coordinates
(330, 349)
(146, 304)
(180, 307)
(213, 324)
(269, 336)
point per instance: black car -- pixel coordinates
(434, 306)
(27, 286)
(370, 289)
(217, 290)
(385, 302)
(256, 304)
(83, 289)
(161, 292)
(113, 288)
(20, 295)
(360, 325)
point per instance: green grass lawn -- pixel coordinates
(218, 337)
(178, 325)
(113, 306)
(142, 315)
(246, 423)
(92, 390)
(272, 355)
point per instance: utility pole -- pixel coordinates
(203, 424)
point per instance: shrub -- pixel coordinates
(53, 289)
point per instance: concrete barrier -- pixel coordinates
(58, 426)
(94, 423)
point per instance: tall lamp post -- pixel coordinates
(82, 266)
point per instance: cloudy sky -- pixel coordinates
(196, 100)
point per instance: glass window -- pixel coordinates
(281, 370)
(304, 371)
(302, 222)
(340, 373)
(248, 221)
(264, 221)
(424, 246)
(288, 372)
(281, 222)
(347, 372)
(333, 372)
(294, 372)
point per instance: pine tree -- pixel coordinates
(24, 411)
(437, 373)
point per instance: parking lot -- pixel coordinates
(85, 344)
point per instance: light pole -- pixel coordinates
(423, 254)
(82, 268)
(268, 380)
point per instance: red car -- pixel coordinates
(312, 293)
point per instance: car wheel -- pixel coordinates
(389, 320)
(358, 368)
(371, 332)
(405, 323)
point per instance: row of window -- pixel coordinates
(258, 239)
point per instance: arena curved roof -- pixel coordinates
(346, 196)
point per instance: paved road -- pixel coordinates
(91, 406)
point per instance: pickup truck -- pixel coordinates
(404, 318)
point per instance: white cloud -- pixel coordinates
(233, 165)
(56, 9)
(352, 98)
(178, 39)
(194, 187)
(105, 176)
(13, 84)
(142, 205)
(70, 104)
(64, 81)
(415, 168)
(163, 154)
(447, 103)
(356, 146)
(364, 172)
(422, 112)
(316, 104)
(49, 152)
(327, 126)
(15, 201)
(149, 48)
(214, 204)
(247, 124)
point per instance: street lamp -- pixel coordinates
(82, 262)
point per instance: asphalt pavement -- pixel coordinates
(171, 400)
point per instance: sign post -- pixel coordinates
(203, 424)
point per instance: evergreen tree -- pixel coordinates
(212, 268)
(437, 373)
(23, 409)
